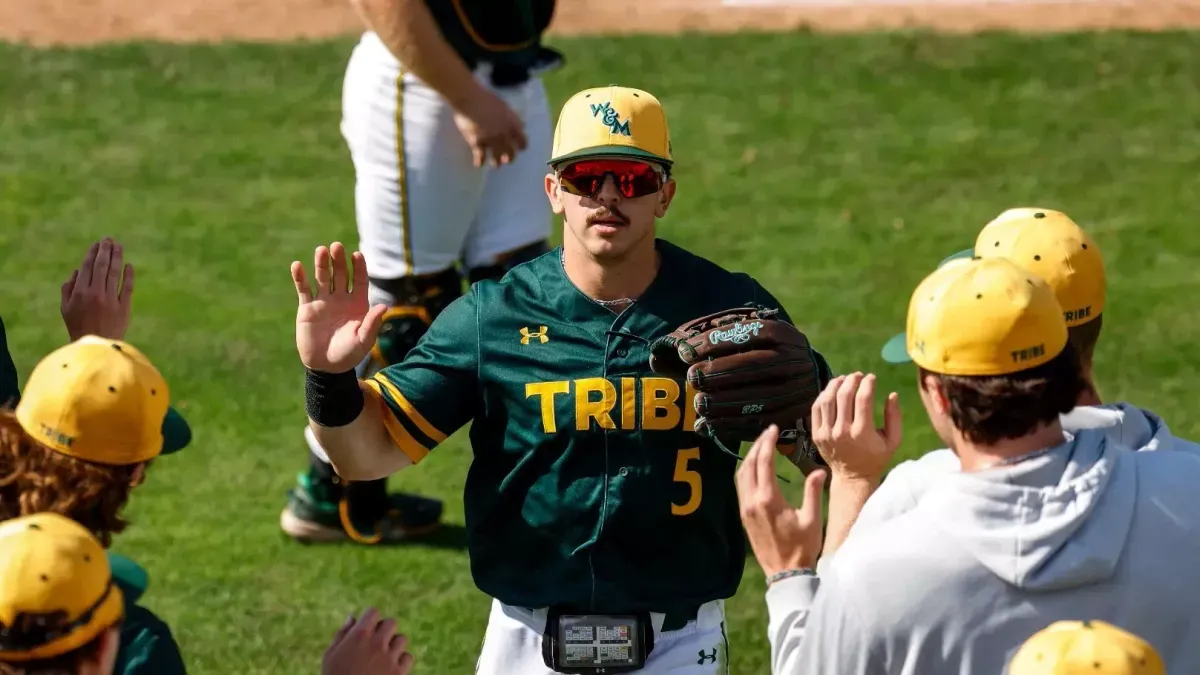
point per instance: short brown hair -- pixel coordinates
(63, 664)
(1084, 336)
(36, 479)
(988, 409)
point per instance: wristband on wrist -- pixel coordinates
(794, 572)
(332, 399)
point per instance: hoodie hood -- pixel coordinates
(1129, 426)
(1056, 521)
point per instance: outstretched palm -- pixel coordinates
(336, 326)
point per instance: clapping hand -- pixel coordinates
(843, 428)
(781, 536)
(367, 645)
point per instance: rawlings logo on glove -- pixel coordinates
(750, 370)
(740, 334)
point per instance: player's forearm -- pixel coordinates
(410, 33)
(847, 496)
(347, 420)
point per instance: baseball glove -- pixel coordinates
(750, 369)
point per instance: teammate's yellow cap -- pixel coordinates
(983, 316)
(1050, 244)
(97, 400)
(56, 589)
(612, 122)
(1091, 647)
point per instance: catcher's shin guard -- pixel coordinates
(417, 302)
(507, 261)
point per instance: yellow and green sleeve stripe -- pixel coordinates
(408, 428)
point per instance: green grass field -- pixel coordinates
(838, 170)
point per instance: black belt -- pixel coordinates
(512, 74)
(603, 644)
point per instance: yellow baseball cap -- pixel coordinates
(57, 592)
(612, 121)
(983, 316)
(1091, 647)
(101, 401)
(1052, 246)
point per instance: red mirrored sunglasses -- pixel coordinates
(632, 177)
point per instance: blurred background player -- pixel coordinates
(59, 609)
(448, 126)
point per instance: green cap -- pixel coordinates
(895, 350)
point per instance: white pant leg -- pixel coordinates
(512, 644)
(416, 189)
(514, 211)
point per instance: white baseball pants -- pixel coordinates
(420, 202)
(512, 644)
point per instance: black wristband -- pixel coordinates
(332, 399)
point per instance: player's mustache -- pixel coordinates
(608, 212)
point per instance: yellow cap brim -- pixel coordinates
(106, 615)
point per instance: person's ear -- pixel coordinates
(139, 474)
(664, 198)
(104, 659)
(554, 194)
(937, 396)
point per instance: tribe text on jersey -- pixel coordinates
(587, 487)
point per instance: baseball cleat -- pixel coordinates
(309, 519)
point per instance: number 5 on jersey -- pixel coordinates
(685, 474)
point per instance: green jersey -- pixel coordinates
(588, 488)
(147, 645)
(10, 392)
(501, 32)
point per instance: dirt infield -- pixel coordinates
(45, 22)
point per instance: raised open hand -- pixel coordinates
(97, 299)
(336, 326)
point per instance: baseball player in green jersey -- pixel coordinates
(600, 507)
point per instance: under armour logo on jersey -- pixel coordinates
(540, 335)
(707, 658)
(610, 118)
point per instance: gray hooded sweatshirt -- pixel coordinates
(982, 560)
(1128, 425)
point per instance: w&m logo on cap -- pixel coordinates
(610, 118)
(612, 121)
